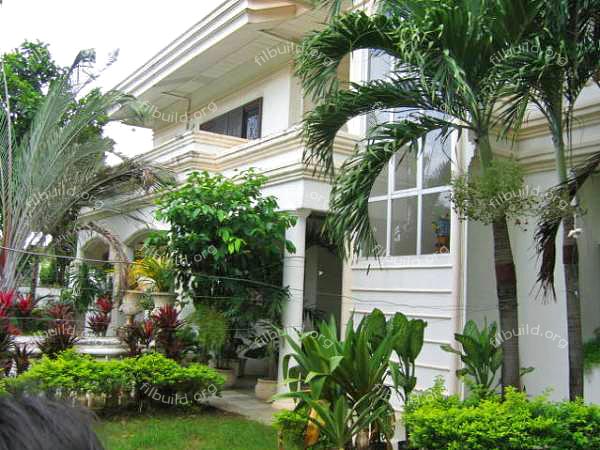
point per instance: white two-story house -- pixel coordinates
(223, 97)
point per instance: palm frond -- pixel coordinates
(549, 223)
(348, 222)
(320, 54)
(56, 163)
(323, 123)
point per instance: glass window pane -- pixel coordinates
(436, 161)
(380, 187)
(252, 126)
(234, 127)
(378, 219)
(436, 223)
(405, 173)
(380, 65)
(404, 226)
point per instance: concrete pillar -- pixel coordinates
(347, 306)
(293, 277)
(117, 317)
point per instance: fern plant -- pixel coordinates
(159, 269)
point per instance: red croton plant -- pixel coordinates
(12, 307)
(100, 321)
(167, 325)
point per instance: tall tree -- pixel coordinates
(28, 71)
(550, 69)
(45, 174)
(444, 80)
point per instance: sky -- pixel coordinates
(138, 29)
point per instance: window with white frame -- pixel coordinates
(409, 207)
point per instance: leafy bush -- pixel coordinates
(61, 337)
(591, 352)
(71, 372)
(291, 424)
(161, 371)
(75, 374)
(223, 229)
(439, 422)
(48, 272)
(167, 326)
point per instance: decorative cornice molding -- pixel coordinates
(241, 155)
(226, 14)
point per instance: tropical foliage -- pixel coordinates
(57, 167)
(481, 356)
(73, 374)
(444, 80)
(227, 242)
(159, 269)
(344, 381)
(439, 422)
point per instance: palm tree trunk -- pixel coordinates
(570, 268)
(506, 285)
(506, 289)
(571, 271)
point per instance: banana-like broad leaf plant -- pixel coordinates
(481, 354)
(408, 343)
(358, 368)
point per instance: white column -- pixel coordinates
(347, 300)
(293, 277)
(117, 317)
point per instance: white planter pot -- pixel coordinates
(163, 299)
(230, 377)
(265, 389)
(131, 303)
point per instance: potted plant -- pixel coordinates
(265, 345)
(132, 299)
(156, 275)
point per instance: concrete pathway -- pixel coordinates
(244, 403)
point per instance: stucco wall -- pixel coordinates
(282, 105)
(543, 326)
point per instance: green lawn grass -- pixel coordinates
(204, 430)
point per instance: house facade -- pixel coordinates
(223, 98)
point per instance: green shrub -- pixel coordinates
(591, 352)
(48, 272)
(437, 422)
(162, 372)
(291, 425)
(75, 374)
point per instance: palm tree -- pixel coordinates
(443, 78)
(550, 70)
(47, 177)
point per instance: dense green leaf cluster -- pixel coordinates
(499, 192)
(291, 425)
(591, 352)
(439, 422)
(75, 374)
(227, 241)
(346, 381)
